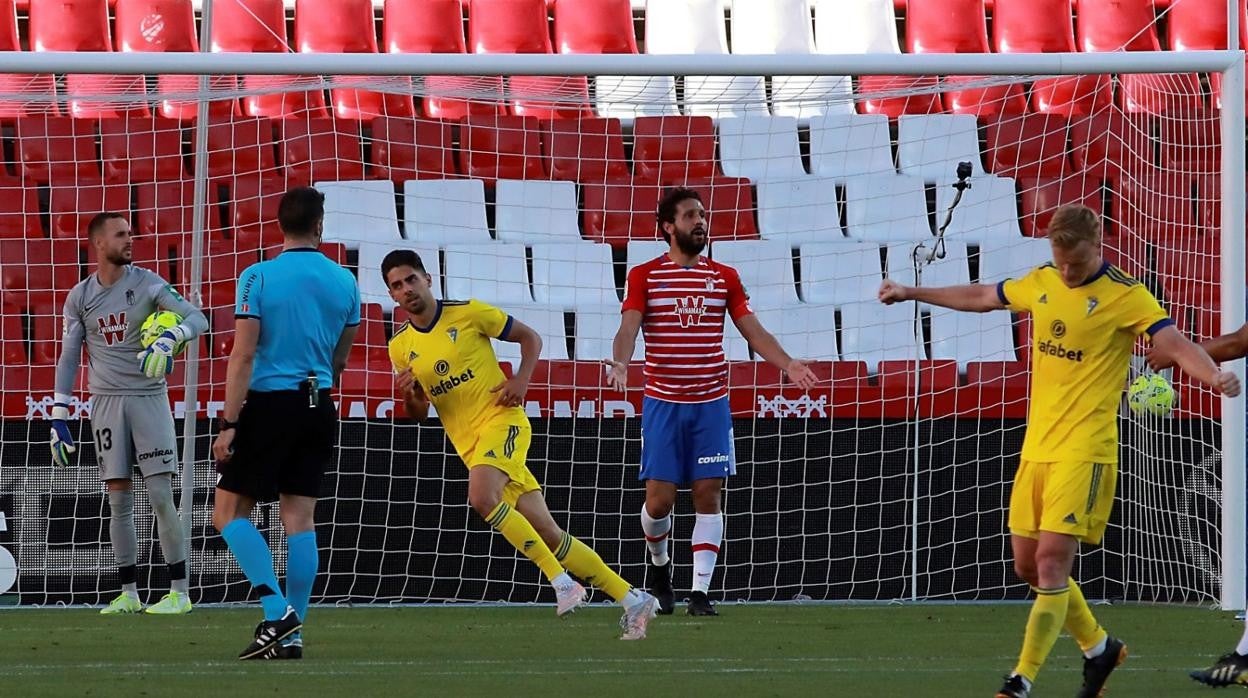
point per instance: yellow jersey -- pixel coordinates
(1080, 356)
(455, 364)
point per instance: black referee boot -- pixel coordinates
(660, 578)
(271, 632)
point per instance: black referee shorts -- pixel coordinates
(282, 446)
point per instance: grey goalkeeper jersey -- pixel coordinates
(110, 321)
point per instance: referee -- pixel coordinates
(295, 318)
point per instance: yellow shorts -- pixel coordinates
(1070, 497)
(505, 446)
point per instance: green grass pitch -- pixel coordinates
(756, 650)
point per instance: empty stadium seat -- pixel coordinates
(673, 149)
(550, 97)
(760, 148)
(765, 268)
(12, 344)
(1000, 262)
(572, 276)
(584, 150)
(45, 329)
(620, 210)
(39, 90)
(346, 26)
(1042, 196)
(239, 147)
(534, 211)
(167, 208)
(423, 26)
(988, 212)
(373, 287)
(968, 337)
(318, 150)
(1191, 142)
(222, 260)
(765, 27)
(259, 26)
(437, 211)
(871, 332)
(805, 331)
(1110, 143)
(957, 26)
(507, 147)
(735, 346)
(1032, 26)
(56, 149)
(496, 273)
(847, 145)
(697, 27)
(729, 203)
(369, 348)
(37, 270)
(931, 145)
(137, 149)
(840, 272)
(1155, 206)
(799, 210)
(1032, 145)
(406, 148)
(82, 25)
(886, 208)
(254, 199)
(548, 323)
(359, 210)
(19, 210)
(72, 206)
(953, 269)
(1131, 25)
(640, 251)
(508, 26)
(595, 334)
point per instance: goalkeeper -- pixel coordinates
(129, 400)
(1086, 315)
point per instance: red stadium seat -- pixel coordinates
(1156, 206)
(594, 26)
(82, 25)
(946, 26)
(621, 210)
(58, 150)
(1032, 145)
(369, 348)
(1041, 196)
(501, 147)
(240, 147)
(423, 26)
(346, 26)
(154, 253)
(45, 328)
(1191, 142)
(585, 150)
(1032, 26)
(440, 101)
(138, 149)
(19, 209)
(673, 149)
(926, 99)
(1109, 143)
(73, 205)
(508, 26)
(985, 102)
(221, 324)
(222, 259)
(35, 270)
(1197, 25)
(730, 207)
(548, 97)
(320, 150)
(165, 209)
(12, 343)
(253, 204)
(1073, 95)
(1001, 384)
(259, 26)
(1209, 202)
(405, 148)
(40, 88)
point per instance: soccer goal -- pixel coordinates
(537, 193)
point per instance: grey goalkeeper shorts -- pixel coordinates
(132, 430)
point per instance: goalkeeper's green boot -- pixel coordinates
(124, 603)
(172, 604)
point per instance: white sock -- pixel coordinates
(131, 589)
(179, 585)
(657, 532)
(563, 581)
(708, 532)
(632, 598)
(1097, 649)
(1242, 648)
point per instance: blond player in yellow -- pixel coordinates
(1086, 316)
(443, 356)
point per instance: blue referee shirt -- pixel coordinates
(303, 300)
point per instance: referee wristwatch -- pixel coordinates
(225, 425)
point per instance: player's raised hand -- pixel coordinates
(157, 359)
(617, 374)
(511, 392)
(891, 292)
(62, 441)
(1226, 383)
(1157, 359)
(801, 374)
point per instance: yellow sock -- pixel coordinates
(582, 561)
(1048, 614)
(1079, 620)
(520, 533)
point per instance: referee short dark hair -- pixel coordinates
(300, 211)
(400, 258)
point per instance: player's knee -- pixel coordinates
(1026, 571)
(1052, 567)
(484, 503)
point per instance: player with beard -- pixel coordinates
(679, 300)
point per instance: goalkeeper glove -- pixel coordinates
(62, 442)
(157, 358)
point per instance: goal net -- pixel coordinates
(889, 480)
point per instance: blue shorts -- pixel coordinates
(683, 442)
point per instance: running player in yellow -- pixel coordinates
(1086, 316)
(443, 356)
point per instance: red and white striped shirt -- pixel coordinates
(683, 311)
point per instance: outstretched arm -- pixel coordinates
(976, 298)
(1195, 361)
(768, 347)
(1228, 347)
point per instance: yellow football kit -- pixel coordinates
(455, 364)
(1080, 355)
